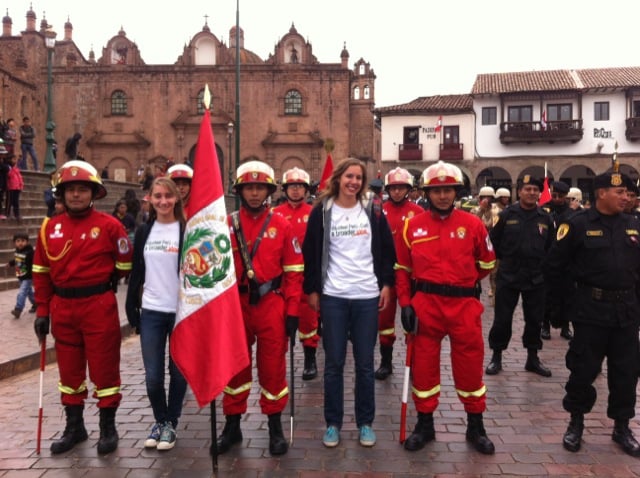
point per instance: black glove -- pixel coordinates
(41, 327)
(291, 325)
(408, 318)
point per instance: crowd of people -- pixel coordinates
(334, 270)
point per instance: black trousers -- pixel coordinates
(590, 345)
(533, 309)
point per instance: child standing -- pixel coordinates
(23, 264)
(15, 184)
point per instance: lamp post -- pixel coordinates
(49, 158)
(230, 135)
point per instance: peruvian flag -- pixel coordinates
(208, 343)
(543, 120)
(439, 124)
(545, 195)
(326, 172)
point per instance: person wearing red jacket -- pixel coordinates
(182, 175)
(397, 182)
(295, 186)
(269, 265)
(79, 256)
(443, 255)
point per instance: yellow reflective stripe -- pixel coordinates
(477, 393)
(107, 392)
(237, 391)
(389, 331)
(307, 336)
(124, 266)
(398, 267)
(487, 265)
(294, 268)
(72, 391)
(40, 269)
(269, 396)
(427, 393)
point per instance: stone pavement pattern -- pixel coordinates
(524, 419)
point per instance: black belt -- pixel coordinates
(445, 290)
(605, 295)
(256, 290)
(81, 292)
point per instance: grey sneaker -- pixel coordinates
(154, 436)
(167, 437)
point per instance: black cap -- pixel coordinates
(560, 187)
(610, 180)
(376, 185)
(632, 186)
(527, 179)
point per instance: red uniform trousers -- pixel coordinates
(87, 332)
(387, 321)
(460, 319)
(264, 325)
(308, 324)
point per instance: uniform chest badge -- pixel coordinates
(272, 233)
(410, 214)
(461, 232)
(563, 230)
(542, 228)
(57, 232)
(95, 232)
(420, 232)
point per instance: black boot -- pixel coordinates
(422, 434)
(534, 365)
(477, 435)
(386, 354)
(231, 434)
(573, 436)
(108, 440)
(545, 332)
(74, 432)
(623, 436)
(565, 332)
(495, 365)
(277, 444)
(310, 368)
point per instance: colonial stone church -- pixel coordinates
(292, 108)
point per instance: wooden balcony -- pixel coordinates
(533, 132)
(633, 129)
(451, 152)
(410, 152)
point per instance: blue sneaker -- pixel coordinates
(331, 437)
(154, 436)
(367, 436)
(167, 437)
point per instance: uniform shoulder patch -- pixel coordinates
(563, 230)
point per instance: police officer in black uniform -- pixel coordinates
(521, 237)
(555, 312)
(600, 249)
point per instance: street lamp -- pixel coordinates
(49, 158)
(230, 135)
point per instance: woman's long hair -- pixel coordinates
(178, 209)
(332, 189)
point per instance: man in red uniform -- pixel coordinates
(79, 256)
(397, 182)
(446, 251)
(269, 265)
(295, 185)
(182, 175)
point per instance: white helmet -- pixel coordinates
(575, 193)
(503, 193)
(486, 191)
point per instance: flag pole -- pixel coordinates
(405, 389)
(238, 129)
(292, 406)
(43, 353)
(214, 442)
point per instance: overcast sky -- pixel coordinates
(416, 47)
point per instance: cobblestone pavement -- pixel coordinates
(524, 419)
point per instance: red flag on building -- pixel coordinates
(326, 172)
(439, 124)
(543, 120)
(208, 343)
(545, 195)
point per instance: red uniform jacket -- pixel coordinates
(397, 213)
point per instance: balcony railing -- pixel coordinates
(533, 132)
(633, 129)
(451, 152)
(410, 152)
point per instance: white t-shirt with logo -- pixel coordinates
(161, 281)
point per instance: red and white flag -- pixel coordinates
(545, 195)
(208, 343)
(326, 173)
(439, 124)
(543, 120)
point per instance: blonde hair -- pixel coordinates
(178, 208)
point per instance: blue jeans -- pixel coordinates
(25, 290)
(343, 320)
(155, 332)
(28, 148)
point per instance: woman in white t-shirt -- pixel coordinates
(348, 271)
(152, 301)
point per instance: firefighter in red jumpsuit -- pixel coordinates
(295, 185)
(269, 266)
(79, 256)
(182, 175)
(445, 252)
(397, 182)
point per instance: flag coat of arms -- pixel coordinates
(208, 343)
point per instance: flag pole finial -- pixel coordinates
(614, 159)
(206, 98)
